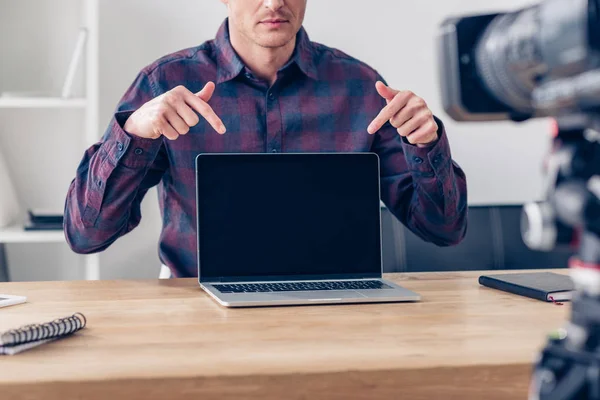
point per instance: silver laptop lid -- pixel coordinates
(288, 216)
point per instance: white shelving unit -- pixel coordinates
(50, 102)
(89, 105)
(16, 234)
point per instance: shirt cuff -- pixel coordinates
(430, 160)
(127, 149)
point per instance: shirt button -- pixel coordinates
(139, 151)
(271, 96)
(274, 151)
(248, 75)
(418, 160)
(120, 146)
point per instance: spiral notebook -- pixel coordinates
(29, 336)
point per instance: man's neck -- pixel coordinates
(262, 61)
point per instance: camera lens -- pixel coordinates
(519, 52)
(509, 58)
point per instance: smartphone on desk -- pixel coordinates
(9, 300)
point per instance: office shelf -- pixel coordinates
(87, 104)
(17, 234)
(41, 102)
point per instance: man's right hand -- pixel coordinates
(173, 113)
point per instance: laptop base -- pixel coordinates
(395, 294)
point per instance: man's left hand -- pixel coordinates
(408, 113)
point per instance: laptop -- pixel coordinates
(291, 229)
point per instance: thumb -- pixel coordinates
(385, 91)
(207, 91)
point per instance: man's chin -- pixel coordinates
(274, 40)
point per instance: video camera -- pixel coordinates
(544, 61)
(537, 62)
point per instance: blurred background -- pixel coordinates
(42, 140)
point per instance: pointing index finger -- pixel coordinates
(397, 103)
(206, 111)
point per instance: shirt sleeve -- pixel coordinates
(103, 200)
(423, 187)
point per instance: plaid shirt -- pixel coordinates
(323, 101)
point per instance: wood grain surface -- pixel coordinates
(161, 339)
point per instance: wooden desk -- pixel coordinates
(168, 340)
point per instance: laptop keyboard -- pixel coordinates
(299, 286)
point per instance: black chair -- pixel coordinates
(406, 252)
(493, 242)
(391, 242)
(4, 277)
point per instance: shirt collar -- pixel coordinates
(229, 64)
(304, 54)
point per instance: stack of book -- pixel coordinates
(43, 221)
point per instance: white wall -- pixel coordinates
(502, 160)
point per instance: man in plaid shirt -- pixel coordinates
(260, 86)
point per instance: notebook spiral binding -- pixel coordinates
(34, 332)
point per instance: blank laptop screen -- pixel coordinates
(288, 216)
